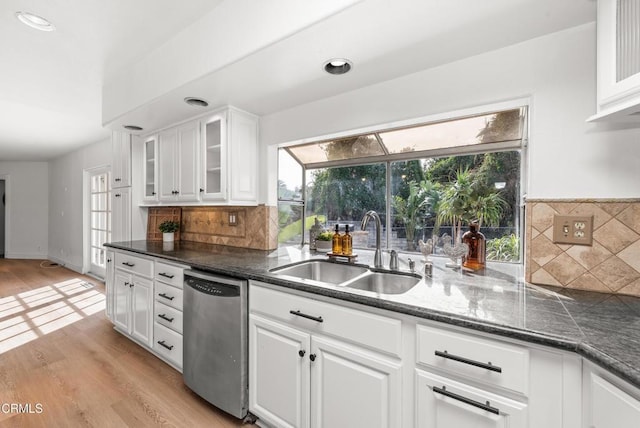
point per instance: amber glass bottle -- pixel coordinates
(347, 242)
(476, 257)
(336, 242)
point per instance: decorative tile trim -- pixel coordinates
(257, 227)
(610, 265)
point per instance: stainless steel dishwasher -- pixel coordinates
(215, 340)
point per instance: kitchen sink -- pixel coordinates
(357, 277)
(385, 282)
(322, 270)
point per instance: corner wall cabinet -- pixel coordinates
(229, 157)
(121, 159)
(178, 150)
(618, 60)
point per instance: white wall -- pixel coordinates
(27, 199)
(66, 187)
(569, 158)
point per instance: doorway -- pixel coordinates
(99, 223)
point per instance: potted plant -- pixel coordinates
(323, 241)
(168, 229)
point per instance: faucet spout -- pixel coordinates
(377, 258)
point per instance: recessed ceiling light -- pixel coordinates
(197, 102)
(35, 21)
(132, 127)
(338, 66)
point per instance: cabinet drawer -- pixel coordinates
(375, 331)
(134, 264)
(169, 274)
(492, 362)
(167, 343)
(168, 316)
(169, 295)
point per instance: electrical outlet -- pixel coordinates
(233, 219)
(575, 230)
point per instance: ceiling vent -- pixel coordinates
(132, 128)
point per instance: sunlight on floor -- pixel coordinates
(31, 314)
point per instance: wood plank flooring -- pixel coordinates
(63, 364)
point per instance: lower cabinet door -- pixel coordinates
(121, 300)
(610, 406)
(278, 373)
(351, 387)
(142, 310)
(443, 403)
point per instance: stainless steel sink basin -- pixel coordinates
(385, 282)
(321, 270)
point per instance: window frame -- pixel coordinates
(503, 146)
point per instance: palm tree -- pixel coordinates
(411, 209)
(467, 199)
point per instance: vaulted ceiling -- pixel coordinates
(117, 62)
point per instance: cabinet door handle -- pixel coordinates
(108, 260)
(117, 195)
(162, 343)
(312, 357)
(153, 193)
(166, 297)
(117, 179)
(166, 275)
(487, 366)
(303, 315)
(466, 400)
(164, 317)
(131, 284)
(126, 284)
(128, 264)
(201, 190)
(302, 352)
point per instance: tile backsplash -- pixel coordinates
(610, 265)
(256, 227)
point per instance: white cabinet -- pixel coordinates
(150, 170)
(607, 405)
(121, 214)
(109, 283)
(168, 320)
(178, 151)
(121, 159)
(444, 403)
(133, 297)
(302, 377)
(230, 157)
(618, 60)
(279, 380)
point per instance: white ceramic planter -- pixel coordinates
(168, 236)
(323, 245)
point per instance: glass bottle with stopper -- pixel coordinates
(476, 257)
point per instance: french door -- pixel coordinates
(99, 219)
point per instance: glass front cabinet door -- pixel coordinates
(213, 157)
(150, 170)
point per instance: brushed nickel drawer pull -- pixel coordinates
(487, 366)
(466, 400)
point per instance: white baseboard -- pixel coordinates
(25, 256)
(65, 264)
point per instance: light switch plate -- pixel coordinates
(574, 230)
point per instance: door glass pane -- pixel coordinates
(100, 220)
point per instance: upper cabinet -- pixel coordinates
(178, 163)
(618, 61)
(121, 158)
(229, 157)
(150, 170)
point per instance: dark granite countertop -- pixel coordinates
(603, 328)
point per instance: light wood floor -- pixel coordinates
(61, 360)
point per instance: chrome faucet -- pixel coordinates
(377, 258)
